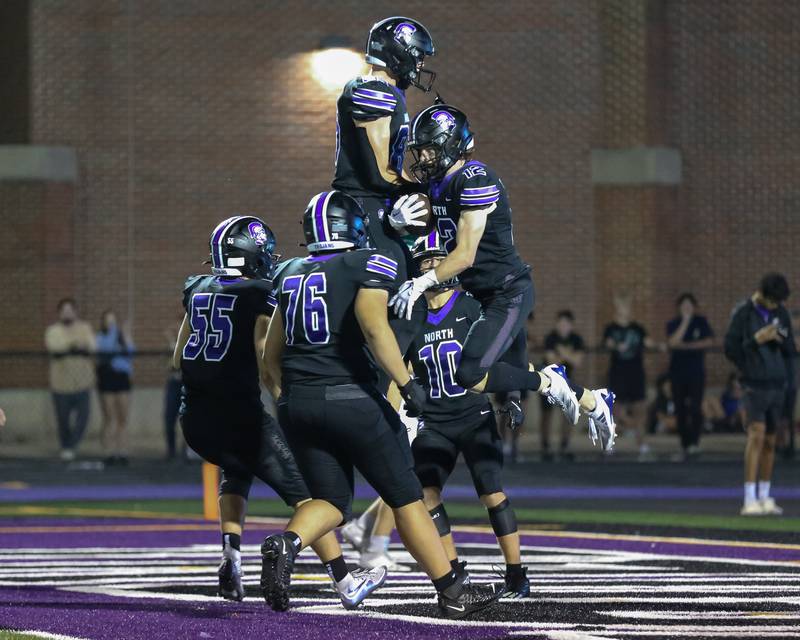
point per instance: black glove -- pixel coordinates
(414, 396)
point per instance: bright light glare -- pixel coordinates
(332, 68)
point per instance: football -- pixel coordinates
(419, 231)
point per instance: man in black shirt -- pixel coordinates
(223, 419)
(760, 342)
(688, 336)
(473, 217)
(331, 305)
(457, 421)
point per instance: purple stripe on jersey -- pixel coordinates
(372, 93)
(438, 316)
(321, 258)
(477, 190)
(473, 201)
(430, 241)
(376, 268)
(362, 102)
(377, 257)
(319, 217)
(364, 96)
(382, 265)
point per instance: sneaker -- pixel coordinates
(461, 600)
(601, 420)
(517, 586)
(230, 578)
(560, 394)
(374, 559)
(364, 582)
(769, 507)
(353, 534)
(513, 409)
(277, 562)
(752, 508)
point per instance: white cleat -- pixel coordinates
(364, 582)
(769, 507)
(752, 508)
(601, 420)
(560, 394)
(373, 560)
(353, 534)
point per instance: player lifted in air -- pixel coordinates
(223, 419)
(332, 304)
(456, 421)
(473, 218)
(371, 134)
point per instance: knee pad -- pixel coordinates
(440, 519)
(235, 485)
(503, 519)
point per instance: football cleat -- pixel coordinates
(277, 562)
(372, 560)
(752, 508)
(364, 582)
(560, 394)
(517, 586)
(769, 507)
(601, 420)
(353, 534)
(230, 578)
(461, 600)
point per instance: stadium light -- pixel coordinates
(335, 63)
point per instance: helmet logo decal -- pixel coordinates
(403, 33)
(258, 233)
(445, 119)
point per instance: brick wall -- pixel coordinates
(185, 112)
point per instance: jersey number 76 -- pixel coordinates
(306, 317)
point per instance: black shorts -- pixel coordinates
(111, 381)
(628, 383)
(332, 430)
(764, 405)
(245, 442)
(436, 451)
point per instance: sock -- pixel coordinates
(455, 564)
(513, 570)
(749, 492)
(447, 580)
(337, 569)
(505, 377)
(294, 540)
(378, 544)
(579, 391)
(763, 489)
(232, 540)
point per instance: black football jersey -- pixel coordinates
(316, 297)
(497, 262)
(219, 358)
(365, 99)
(435, 353)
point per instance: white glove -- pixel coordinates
(407, 212)
(403, 301)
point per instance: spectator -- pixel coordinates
(627, 341)
(760, 342)
(562, 346)
(511, 436)
(688, 336)
(172, 391)
(661, 415)
(114, 369)
(2, 418)
(725, 413)
(70, 343)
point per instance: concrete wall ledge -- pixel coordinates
(35, 162)
(637, 166)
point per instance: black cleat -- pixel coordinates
(277, 562)
(230, 580)
(461, 600)
(517, 586)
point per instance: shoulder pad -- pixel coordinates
(479, 186)
(371, 98)
(192, 282)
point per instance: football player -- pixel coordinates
(223, 419)
(473, 218)
(456, 421)
(331, 305)
(371, 134)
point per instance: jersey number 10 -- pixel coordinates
(441, 364)
(306, 301)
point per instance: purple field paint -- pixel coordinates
(364, 491)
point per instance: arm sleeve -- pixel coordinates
(480, 189)
(378, 272)
(372, 100)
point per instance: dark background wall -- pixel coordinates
(185, 112)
